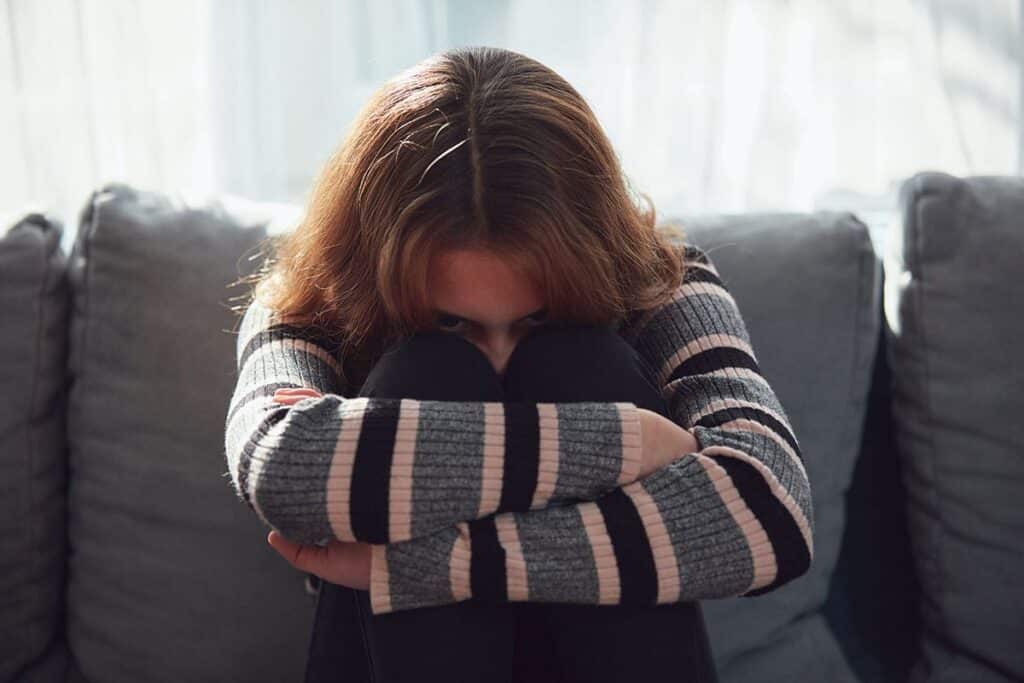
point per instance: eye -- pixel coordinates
(538, 318)
(449, 323)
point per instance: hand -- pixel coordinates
(295, 394)
(662, 441)
(340, 562)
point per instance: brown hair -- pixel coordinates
(475, 147)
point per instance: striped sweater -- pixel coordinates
(538, 502)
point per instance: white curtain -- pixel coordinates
(713, 106)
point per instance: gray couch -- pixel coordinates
(124, 555)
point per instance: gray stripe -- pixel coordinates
(458, 463)
(770, 453)
(682, 321)
(709, 545)
(559, 558)
(418, 572)
(580, 426)
(292, 488)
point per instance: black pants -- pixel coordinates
(514, 641)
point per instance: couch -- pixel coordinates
(125, 556)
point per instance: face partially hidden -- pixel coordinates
(482, 297)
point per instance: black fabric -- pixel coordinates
(481, 639)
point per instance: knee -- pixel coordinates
(433, 366)
(580, 363)
(570, 348)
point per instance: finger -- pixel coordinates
(308, 558)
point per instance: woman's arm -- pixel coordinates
(732, 518)
(385, 470)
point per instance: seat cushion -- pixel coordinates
(171, 577)
(809, 287)
(34, 302)
(957, 402)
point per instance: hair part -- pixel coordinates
(475, 147)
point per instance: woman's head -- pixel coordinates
(475, 150)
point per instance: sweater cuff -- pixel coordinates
(425, 571)
(380, 594)
(632, 445)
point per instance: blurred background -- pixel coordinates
(714, 106)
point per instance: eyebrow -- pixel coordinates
(441, 311)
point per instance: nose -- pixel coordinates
(498, 349)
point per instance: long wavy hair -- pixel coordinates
(474, 147)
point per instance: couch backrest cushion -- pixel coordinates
(34, 307)
(809, 287)
(958, 402)
(171, 577)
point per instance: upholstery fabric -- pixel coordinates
(809, 287)
(957, 403)
(33, 348)
(170, 577)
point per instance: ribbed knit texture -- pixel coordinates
(481, 499)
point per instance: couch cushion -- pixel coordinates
(33, 348)
(171, 577)
(809, 287)
(957, 404)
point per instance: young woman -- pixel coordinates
(516, 430)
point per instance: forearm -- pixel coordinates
(385, 470)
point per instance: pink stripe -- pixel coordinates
(738, 373)
(638, 325)
(458, 563)
(773, 484)
(764, 572)
(658, 537)
(743, 424)
(400, 487)
(298, 346)
(339, 479)
(691, 288)
(547, 469)
(631, 446)
(380, 585)
(493, 468)
(609, 591)
(705, 343)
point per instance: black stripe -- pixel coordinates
(720, 417)
(787, 541)
(716, 358)
(266, 390)
(698, 274)
(280, 331)
(522, 456)
(371, 472)
(487, 579)
(638, 576)
(692, 252)
(245, 459)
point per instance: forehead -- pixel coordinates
(481, 285)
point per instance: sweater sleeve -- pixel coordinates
(383, 470)
(733, 518)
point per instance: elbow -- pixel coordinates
(794, 553)
(277, 481)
